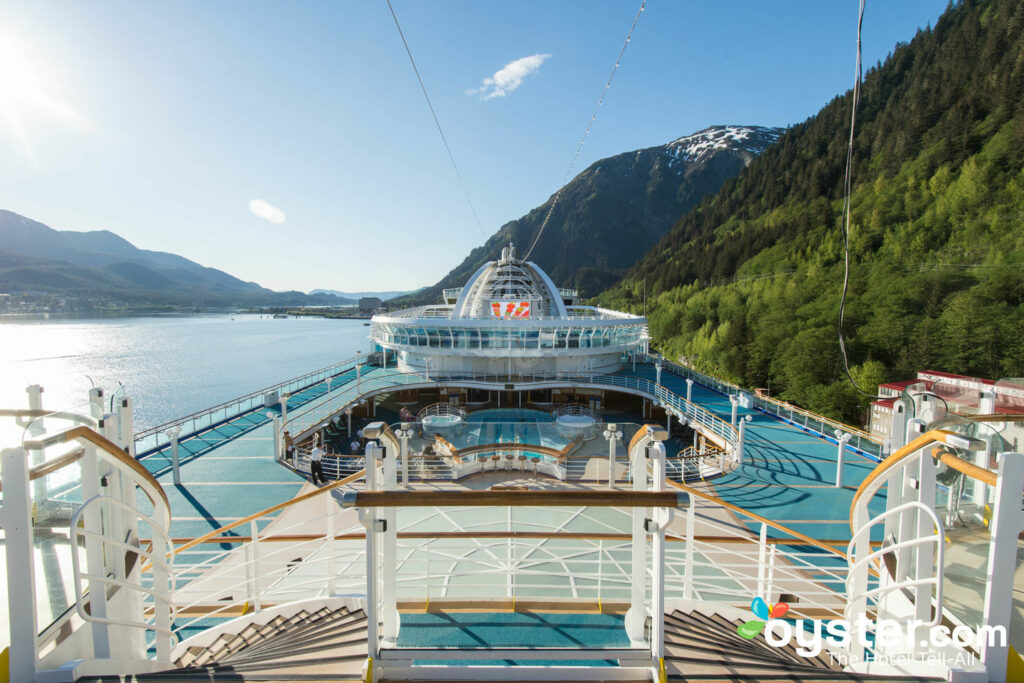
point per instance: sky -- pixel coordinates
(290, 144)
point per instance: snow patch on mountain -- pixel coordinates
(701, 145)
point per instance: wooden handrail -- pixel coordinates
(446, 443)
(640, 433)
(572, 445)
(273, 508)
(753, 515)
(536, 498)
(24, 412)
(51, 466)
(112, 449)
(966, 468)
(932, 436)
(542, 535)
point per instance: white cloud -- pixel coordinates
(509, 77)
(268, 211)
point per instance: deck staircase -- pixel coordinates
(322, 645)
(330, 645)
(706, 647)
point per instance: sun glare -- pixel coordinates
(18, 80)
(28, 96)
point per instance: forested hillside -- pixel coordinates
(611, 213)
(747, 285)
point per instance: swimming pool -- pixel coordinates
(510, 425)
(510, 415)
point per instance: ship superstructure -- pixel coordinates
(509, 318)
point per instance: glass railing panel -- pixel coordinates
(56, 497)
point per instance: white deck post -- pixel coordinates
(858, 604)
(925, 558)
(388, 547)
(1007, 523)
(735, 404)
(36, 428)
(276, 435)
(635, 617)
(841, 439)
(691, 513)
(94, 550)
(173, 434)
(96, 403)
(740, 440)
(689, 390)
(284, 408)
(330, 510)
(125, 424)
(161, 609)
(404, 434)
(660, 517)
(16, 519)
(369, 519)
(613, 434)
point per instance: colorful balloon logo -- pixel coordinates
(763, 611)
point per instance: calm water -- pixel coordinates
(170, 366)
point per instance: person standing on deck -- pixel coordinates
(315, 471)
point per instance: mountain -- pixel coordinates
(98, 264)
(355, 296)
(747, 284)
(609, 215)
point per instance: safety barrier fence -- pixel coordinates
(818, 424)
(911, 562)
(156, 437)
(315, 415)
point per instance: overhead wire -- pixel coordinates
(590, 125)
(437, 122)
(847, 191)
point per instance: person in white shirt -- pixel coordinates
(354, 447)
(315, 471)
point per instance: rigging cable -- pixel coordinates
(593, 118)
(433, 113)
(847, 188)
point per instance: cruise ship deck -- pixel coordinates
(788, 473)
(513, 488)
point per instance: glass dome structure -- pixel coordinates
(509, 318)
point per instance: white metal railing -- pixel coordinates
(85, 482)
(290, 560)
(155, 437)
(859, 439)
(910, 563)
(443, 409)
(320, 412)
(575, 410)
(693, 463)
